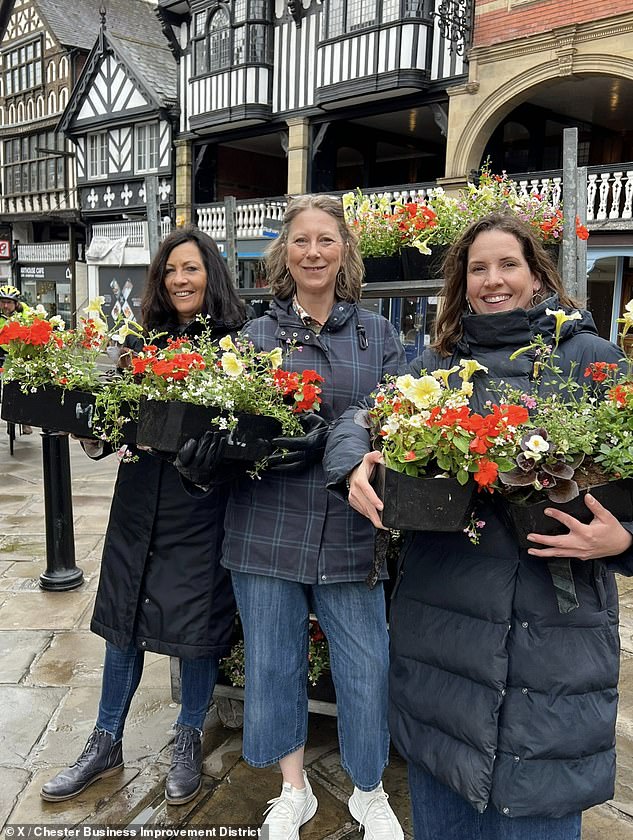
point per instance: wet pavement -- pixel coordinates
(50, 674)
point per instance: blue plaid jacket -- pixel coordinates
(289, 526)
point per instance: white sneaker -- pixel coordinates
(372, 810)
(288, 812)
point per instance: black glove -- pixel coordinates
(303, 450)
(198, 460)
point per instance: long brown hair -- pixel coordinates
(448, 328)
(350, 275)
(221, 301)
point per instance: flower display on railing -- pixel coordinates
(385, 226)
(494, 194)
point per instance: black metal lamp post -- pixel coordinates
(61, 572)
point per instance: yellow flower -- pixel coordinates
(561, 318)
(421, 245)
(467, 388)
(469, 367)
(627, 318)
(231, 365)
(442, 375)
(226, 343)
(425, 392)
(276, 357)
(95, 305)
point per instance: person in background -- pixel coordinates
(161, 586)
(503, 705)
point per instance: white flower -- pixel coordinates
(537, 444)
(57, 321)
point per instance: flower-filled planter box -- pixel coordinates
(423, 504)
(383, 269)
(165, 425)
(418, 266)
(526, 519)
(56, 409)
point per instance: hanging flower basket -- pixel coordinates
(166, 425)
(418, 266)
(383, 269)
(526, 519)
(423, 504)
(57, 409)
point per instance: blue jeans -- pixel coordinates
(275, 617)
(438, 812)
(122, 670)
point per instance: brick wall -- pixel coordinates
(497, 21)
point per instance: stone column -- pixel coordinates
(184, 182)
(298, 154)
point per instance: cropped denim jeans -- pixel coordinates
(438, 812)
(122, 670)
(275, 617)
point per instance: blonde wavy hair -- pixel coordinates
(350, 275)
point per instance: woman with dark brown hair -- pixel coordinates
(503, 688)
(161, 586)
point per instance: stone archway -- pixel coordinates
(500, 78)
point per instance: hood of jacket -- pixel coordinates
(518, 327)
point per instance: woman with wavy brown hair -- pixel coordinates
(503, 678)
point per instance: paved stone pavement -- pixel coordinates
(50, 672)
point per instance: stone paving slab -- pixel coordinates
(24, 716)
(606, 823)
(31, 808)
(13, 780)
(72, 659)
(40, 610)
(18, 650)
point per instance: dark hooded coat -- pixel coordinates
(162, 587)
(493, 691)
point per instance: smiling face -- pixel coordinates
(498, 277)
(185, 281)
(315, 253)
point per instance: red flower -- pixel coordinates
(581, 230)
(39, 332)
(486, 472)
(598, 371)
(410, 456)
(139, 365)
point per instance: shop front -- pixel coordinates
(48, 284)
